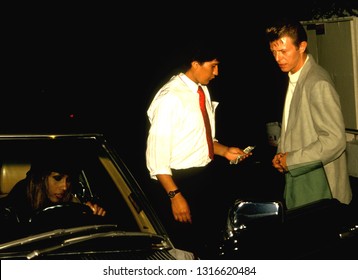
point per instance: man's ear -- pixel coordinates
(303, 46)
(194, 64)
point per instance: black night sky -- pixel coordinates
(101, 63)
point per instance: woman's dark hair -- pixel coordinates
(53, 162)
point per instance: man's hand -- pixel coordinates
(279, 162)
(181, 209)
(233, 153)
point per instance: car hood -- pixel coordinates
(91, 242)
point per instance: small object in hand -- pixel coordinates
(247, 150)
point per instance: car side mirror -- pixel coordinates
(245, 213)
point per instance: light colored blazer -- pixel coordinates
(315, 130)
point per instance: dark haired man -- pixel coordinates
(311, 148)
(180, 148)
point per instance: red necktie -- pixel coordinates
(206, 122)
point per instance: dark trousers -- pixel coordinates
(198, 187)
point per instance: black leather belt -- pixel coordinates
(186, 173)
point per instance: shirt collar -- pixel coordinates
(192, 85)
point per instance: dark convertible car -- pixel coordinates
(130, 229)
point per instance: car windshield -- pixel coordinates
(101, 178)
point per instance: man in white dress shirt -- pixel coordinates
(177, 153)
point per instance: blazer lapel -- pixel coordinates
(296, 98)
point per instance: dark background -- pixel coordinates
(95, 68)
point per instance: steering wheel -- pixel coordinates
(63, 215)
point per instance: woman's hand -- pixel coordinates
(97, 210)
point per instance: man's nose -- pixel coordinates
(277, 56)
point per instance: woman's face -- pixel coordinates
(57, 186)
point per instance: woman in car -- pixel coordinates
(49, 182)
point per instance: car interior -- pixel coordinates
(93, 184)
(11, 172)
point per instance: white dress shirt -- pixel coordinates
(177, 138)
